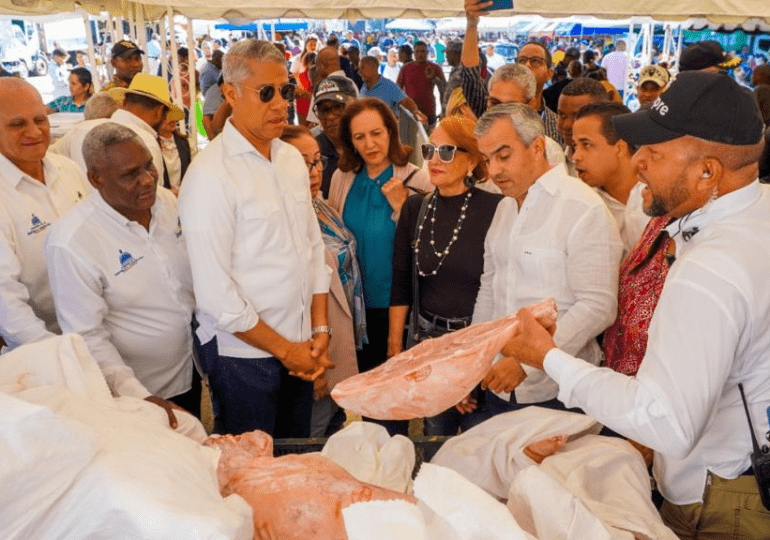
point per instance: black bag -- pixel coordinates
(413, 336)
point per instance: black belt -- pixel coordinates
(449, 324)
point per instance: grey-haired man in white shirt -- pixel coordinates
(120, 275)
(257, 256)
(699, 145)
(551, 236)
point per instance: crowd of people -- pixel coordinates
(302, 246)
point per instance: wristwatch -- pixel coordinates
(321, 330)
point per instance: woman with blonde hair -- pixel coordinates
(372, 182)
(438, 256)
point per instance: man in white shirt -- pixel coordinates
(257, 256)
(120, 274)
(603, 161)
(699, 145)
(60, 73)
(551, 236)
(494, 60)
(36, 188)
(616, 64)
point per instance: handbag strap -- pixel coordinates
(413, 325)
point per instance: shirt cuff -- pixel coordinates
(238, 322)
(567, 371)
(323, 280)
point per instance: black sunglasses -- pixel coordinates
(267, 92)
(446, 152)
(318, 163)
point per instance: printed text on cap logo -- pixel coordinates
(661, 107)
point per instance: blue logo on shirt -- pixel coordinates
(178, 228)
(127, 261)
(37, 225)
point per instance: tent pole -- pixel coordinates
(163, 48)
(679, 45)
(193, 134)
(119, 34)
(131, 24)
(141, 28)
(627, 84)
(177, 80)
(92, 54)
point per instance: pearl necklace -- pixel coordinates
(440, 254)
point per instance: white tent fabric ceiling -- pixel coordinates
(727, 12)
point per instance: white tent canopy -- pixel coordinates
(728, 12)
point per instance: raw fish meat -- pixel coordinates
(434, 375)
(296, 497)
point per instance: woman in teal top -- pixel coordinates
(81, 88)
(369, 188)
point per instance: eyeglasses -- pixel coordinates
(329, 108)
(534, 61)
(318, 163)
(267, 92)
(446, 152)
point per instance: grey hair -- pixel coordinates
(524, 119)
(100, 105)
(100, 138)
(235, 64)
(521, 75)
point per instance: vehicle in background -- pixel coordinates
(20, 53)
(507, 50)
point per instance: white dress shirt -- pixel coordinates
(27, 210)
(709, 333)
(253, 238)
(630, 217)
(128, 292)
(563, 243)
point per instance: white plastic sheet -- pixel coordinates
(126, 473)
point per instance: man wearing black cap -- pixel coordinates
(706, 55)
(699, 144)
(127, 62)
(329, 100)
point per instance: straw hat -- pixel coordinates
(150, 86)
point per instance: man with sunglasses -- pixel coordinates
(256, 256)
(330, 98)
(532, 55)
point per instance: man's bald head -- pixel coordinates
(24, 129)
(327, 61)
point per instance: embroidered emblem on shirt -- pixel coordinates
(127, 261)
(689, 233)
(37, 225)
(178, 228)
(80, 196)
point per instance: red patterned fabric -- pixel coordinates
(625, 342)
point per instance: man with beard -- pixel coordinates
(698, 150)
(256, 255)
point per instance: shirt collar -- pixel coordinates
(551, 179)
(14, 176)
(113, 214)
(687, 227)
(128, 118)
(235, 143)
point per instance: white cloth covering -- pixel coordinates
(27, 210)
(564, 243)
(253, 239)
(115, 468)
(708, 333)
(128, 292)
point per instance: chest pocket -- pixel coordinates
(541, 272)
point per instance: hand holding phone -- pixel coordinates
(500, 4)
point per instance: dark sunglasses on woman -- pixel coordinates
(446, 152)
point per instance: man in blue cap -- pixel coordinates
(698, 148)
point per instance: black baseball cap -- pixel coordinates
(123, 47)
(709, 106)
(705, 54)
(335, 88)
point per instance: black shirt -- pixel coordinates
(452, 291)
(328, 150)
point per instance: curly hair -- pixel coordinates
(350, 159)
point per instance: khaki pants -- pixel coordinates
(731, 510)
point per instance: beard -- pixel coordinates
(660, 206)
